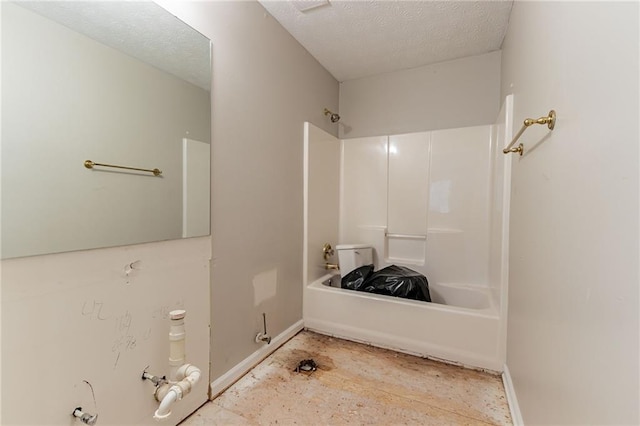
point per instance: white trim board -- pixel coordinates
(230, 377)
(512, 400)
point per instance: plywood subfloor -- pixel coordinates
(356, 384)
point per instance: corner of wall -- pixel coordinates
(458, 93)
(512, 399)
(221, 384)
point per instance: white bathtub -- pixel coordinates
(467, 334)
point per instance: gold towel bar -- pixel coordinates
(549, 120)
(89, 165)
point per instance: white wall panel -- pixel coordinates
(438, 185)
(364, 187)
(459, 177)
(408, 183)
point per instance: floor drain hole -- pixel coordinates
(306, 365)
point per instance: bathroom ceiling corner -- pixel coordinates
(354, 39)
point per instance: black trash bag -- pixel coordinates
(393, 280)
(355, 279)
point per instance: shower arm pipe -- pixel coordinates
(549, 120)
(334, 117)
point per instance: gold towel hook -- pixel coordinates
(549, 120)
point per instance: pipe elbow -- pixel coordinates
(193, 374)
(190, 373)
(190, 376)
(161, 391)
(164, 410)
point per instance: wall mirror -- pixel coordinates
(115, 82)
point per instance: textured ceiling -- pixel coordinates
(141, 29)
(359, 38)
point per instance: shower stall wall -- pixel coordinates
(436, 202)
(421, 200)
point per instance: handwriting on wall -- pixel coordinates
(128, 328)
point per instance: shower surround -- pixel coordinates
(436, 202)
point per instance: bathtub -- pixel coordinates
(460, 326)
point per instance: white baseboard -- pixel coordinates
(512, 400)
(230, 377)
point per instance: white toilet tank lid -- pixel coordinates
(352, 246)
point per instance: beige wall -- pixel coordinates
(573, 295)
(83, 316)
(265, 85)
(460, 93)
